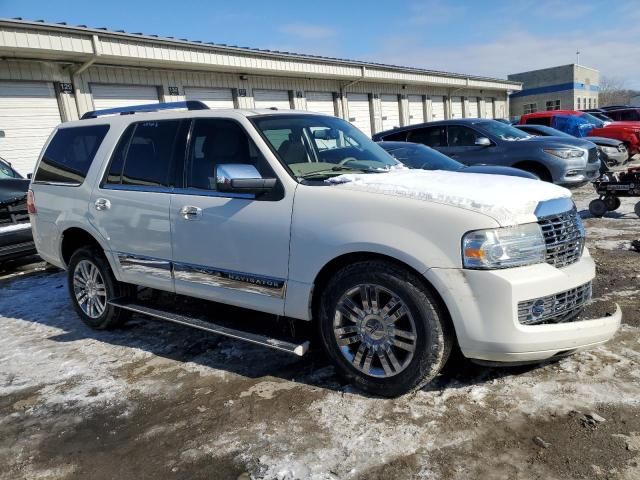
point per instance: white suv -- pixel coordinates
(301, 215)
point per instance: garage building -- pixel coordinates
(56, 72)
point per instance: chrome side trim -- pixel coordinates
(144, 265)
(212, 193)
(215, 277)
(136, 188)
(554, 207)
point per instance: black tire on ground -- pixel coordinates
(598, 207)
(637, 209)
(613, 203)
(432, 342)
(111, 317)
(537, 169)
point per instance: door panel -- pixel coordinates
(390, 110)
(272, 99)
(112, 96)
(461, 146)
(214, 98)
(321, 102)
(456, 107)
(473, 107)
(437, 108)
(360, 111)
(416, 109)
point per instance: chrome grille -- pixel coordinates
(564, 236)
(593, 155)
(558, 308)
(15, 212)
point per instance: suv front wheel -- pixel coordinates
(91, 285)
(384, 330)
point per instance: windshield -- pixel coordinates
(591, 119)
(414, 155)
(5, 170)
(321, 146)
(502, 130)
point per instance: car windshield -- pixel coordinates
(587, 117)
(502, 131)
(414, 155)
(319, 146)
(5, 170)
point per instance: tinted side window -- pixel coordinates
(539, 121)
(459, 136)
(70, 153)
(431, 137)
(395, 137)
(628, 115)
(145, 154)
(217, 142)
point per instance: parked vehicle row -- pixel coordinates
(302, 215)
(16, 239)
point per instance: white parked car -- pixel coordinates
(301, 215)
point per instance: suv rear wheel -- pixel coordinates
(91, 285)
(383, 329)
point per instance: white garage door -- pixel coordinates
(321, 102)
(456, 107)
(488, 107)
(212, 97)
(437, 108)
(359, 111)
(28, 113)
(416, 110)
(390, 111)
(473, 107)
(113, 96)
(272, 98)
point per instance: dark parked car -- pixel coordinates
(15, 230)
(612, 151)
(628, 114)
(565, 161)
(416, 155)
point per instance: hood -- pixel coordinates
(556, 142)
(509, 200)
(633, 125)
(607, 142)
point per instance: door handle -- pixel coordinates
(190, 213)
(102, 204)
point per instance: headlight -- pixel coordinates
(565, 152)
(503, 247)
(609, 149)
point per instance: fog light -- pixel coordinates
(573, 173)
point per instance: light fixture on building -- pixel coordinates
(244, 77)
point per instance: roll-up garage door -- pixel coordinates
(390, 111)
(488, 107)
(360, 111)
(473, 107)
(214, 98)
(456, 107)
(437, 108)
(113, 96)
(28, 113)
(321, 102)
(272, 99)
(416, 109)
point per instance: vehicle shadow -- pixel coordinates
(184, 344)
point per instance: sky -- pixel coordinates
(490, 37)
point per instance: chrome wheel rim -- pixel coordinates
(89, 289)
(375, 330)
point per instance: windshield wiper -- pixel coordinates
(340, 168)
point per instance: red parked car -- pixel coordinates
(581, 124)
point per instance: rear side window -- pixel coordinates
(69, 155)
(431, 137)
(145, 154)
(395, 137)
(539, 121)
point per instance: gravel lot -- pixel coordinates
(160, 401)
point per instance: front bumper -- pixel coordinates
(16, 241)
(617, 158)
(484, 309)
(584, 174)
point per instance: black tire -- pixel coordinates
(636, 209)
(598, 207)
(537, 169)
(111, 317)
(613, 203)
(433, 334)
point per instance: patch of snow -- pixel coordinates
(510, 200)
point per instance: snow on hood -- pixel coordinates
(509, 200)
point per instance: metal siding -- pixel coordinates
(437, 107)
(214, 98)
(488, 107)
(272, 98)
(111, 96)
(360, 111)
(28, 114)
(473, 107)
(416, 109)
(390, 110)
(321, 102)
(456, 107)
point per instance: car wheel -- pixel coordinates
(613, 203)
(383, 329)
(598, 207)
(91, 285)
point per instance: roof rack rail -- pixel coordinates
(150, 107)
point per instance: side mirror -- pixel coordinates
(242, 178)
(29, 176)
(326, 134)
(483, 142)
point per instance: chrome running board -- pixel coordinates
(138, 307)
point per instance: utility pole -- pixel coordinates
(577, 57)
